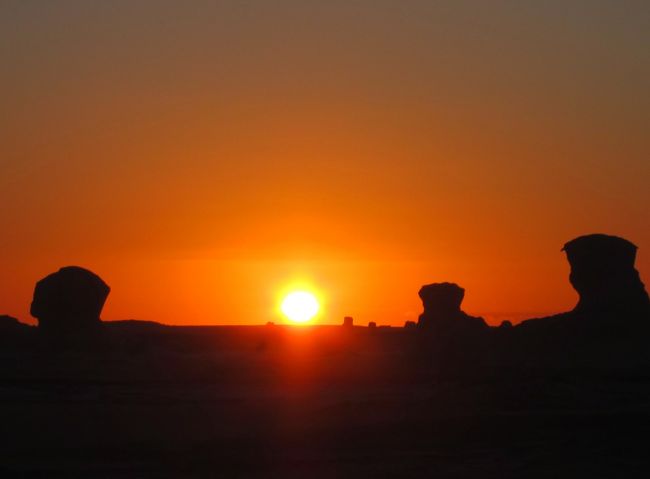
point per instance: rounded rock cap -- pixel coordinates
(443, 297)
(72, 297)
(600, 249)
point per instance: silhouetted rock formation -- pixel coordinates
(613, 301)
(69, 300)
(603, 274)
(442, 311)
(348, 322)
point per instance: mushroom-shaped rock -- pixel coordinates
(70, 299)
(603, 274)
(441, 300)
(442, 311)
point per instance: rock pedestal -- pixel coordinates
(10, 324)
(69, 300)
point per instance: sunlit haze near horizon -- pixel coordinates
(201, 157)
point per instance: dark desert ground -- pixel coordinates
(452, 193)
(318, 402)
(565, 396)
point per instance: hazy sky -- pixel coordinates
(203, 157)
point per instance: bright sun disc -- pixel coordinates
(299, 306)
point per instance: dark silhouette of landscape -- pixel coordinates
(561, 396)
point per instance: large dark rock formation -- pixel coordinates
(442, 311)
(603, 274)
(613, 300)
(69, 300)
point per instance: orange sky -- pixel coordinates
(201, 158)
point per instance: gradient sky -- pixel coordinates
(202, 157)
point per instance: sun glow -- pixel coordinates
(299, 306)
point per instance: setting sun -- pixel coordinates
(299, 306)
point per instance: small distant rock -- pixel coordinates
(348, 321)
(71, 299)
(410, 325)
(372, 325)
